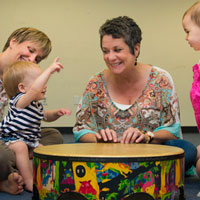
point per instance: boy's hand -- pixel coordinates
(56, 66)
(63, 111)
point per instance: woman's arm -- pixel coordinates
(88, 137)
(170, 127)
(86, 126)
(162, 136)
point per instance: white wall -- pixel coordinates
(73, 26)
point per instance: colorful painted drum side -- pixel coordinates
(108, 172)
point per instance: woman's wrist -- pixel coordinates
(149, 136)
(147, 139)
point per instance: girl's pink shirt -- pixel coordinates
(195, 93)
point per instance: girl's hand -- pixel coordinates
(107, 135)
(132, 135)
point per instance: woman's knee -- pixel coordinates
(189, 149)
(7, 159)
(51, 136)
(187, 146)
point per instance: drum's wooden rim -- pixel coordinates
(100, 159)
(75, 152)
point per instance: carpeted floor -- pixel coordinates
(23, 196)
(192, 188)
(192, 184)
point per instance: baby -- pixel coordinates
(25, 84)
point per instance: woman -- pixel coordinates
(24, 44)
(130, 102)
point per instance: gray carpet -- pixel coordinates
(23, 196)
(192, 184)
(192, 188)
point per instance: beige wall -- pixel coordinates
(73, 27)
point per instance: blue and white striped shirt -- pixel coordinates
(22, 124)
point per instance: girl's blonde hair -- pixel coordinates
(194, 12)
(14, 75)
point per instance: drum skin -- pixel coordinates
(103, 172)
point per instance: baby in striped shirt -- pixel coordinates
(25, 84)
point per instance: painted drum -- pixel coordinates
(107, 171)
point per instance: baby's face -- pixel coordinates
(192, 31)
(30, 78)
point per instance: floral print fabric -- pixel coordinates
(3, 100)
(156, 108)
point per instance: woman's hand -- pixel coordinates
(132, 135)
(107, 135)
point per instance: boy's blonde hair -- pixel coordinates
(31, 34)
(14, 75)
(194, 12)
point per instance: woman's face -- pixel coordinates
(117, 55)
(25, 51)
(192, 32)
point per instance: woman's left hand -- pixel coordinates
(132, 135)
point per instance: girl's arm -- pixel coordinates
(38, 85)
(52, 115)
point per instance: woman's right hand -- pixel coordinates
(107, 135)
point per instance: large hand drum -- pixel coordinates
(108, 172)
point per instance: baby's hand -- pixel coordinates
(56, 66)
(63, 111)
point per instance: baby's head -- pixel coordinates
(19, 77)
(191, 25)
